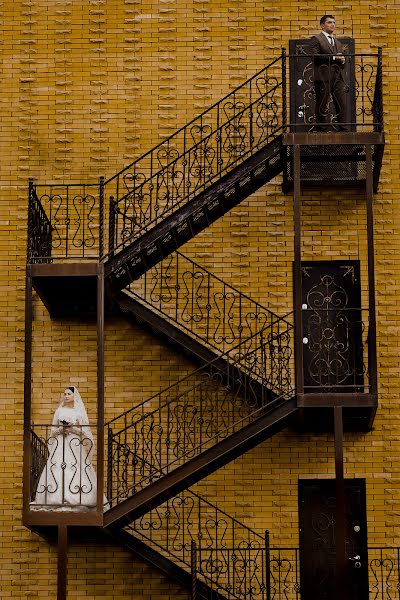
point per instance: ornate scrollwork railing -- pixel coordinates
(230, 557)
(198, 411)
(362, 91)
(65, 222)
(62, 476)
(336, 345)
(39, 230)
(39, 456)
(188, 295)
(185, 164)
(237, 573)
(377, 106)
(283, 573)
(157, 183)
(173, 525)
(384, 573)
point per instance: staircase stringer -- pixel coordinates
(140, 254)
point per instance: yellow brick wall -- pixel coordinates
(86, 87)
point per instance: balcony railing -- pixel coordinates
(336, 350)
(65, 222)
(62, 468)
(362, 92)
(238, 573)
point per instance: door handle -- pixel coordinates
(357, 561)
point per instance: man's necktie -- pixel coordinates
(330, 38)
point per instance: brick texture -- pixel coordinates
(86, 88)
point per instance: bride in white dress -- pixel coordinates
(68, 481)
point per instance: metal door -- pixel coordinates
(317, 519)
(302, 94)
(332, 327)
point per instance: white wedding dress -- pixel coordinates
(68, 481)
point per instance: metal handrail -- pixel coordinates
(178, 131)
(188, 295)
(153, 438)
(228, 356)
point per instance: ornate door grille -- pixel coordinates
(332, 327)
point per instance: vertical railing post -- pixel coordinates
(30, 221)
(109, 467)
(284, 91)
(251, 140)
(111, 226)
(67, 221)
(101, 217)
(193, 569)
(379, 91)
(372, 357)
(297, 275)
(267, 565)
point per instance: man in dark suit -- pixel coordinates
(329, 79)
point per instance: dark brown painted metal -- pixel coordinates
(373, 371)
(229, 192)
(42, 518)
(27, 391)
(198, 467)
(325, 139)
(100, 389)
(297, 274)
(46, 519)
(193, 569)
(268, 563)
(341, 566)
(101, 217)
(62, 563)
(333, 328)
(162, 563)
(63, 269)
(336, 399)
(52, 281)
(318, 542)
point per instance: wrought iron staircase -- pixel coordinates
(231, 560)
(181, 186)
(181, 301)
(243, 393)
(166, 444)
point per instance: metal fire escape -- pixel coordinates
(116, 243)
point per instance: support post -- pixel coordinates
(267, 564)
(101, 217)
(27, 391)
(62, 563)
(372, 366)
(297, 272)
(100, 388)
(341, 559)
